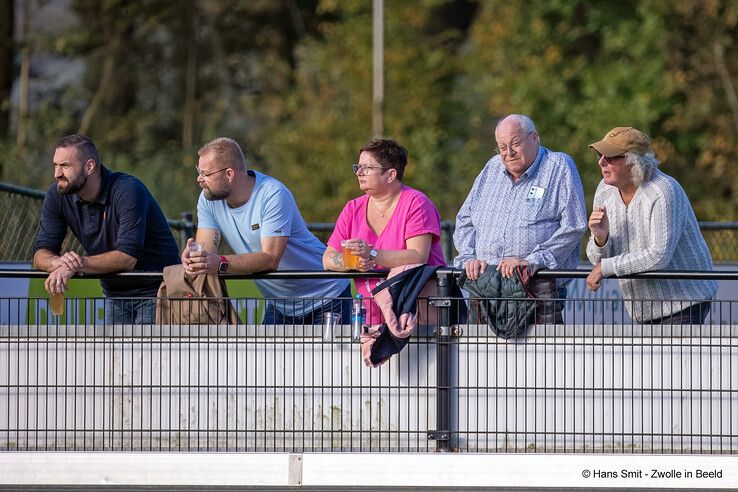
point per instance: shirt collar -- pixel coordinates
(532, 170)
(105, 181)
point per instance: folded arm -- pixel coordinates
(62, 268)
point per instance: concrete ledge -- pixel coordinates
(343, 470)
(90, 468)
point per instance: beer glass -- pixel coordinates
(350, 260)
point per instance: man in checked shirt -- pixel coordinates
(526, 207)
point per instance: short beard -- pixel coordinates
(212, 196)
(72, 186)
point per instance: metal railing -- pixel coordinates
(587, 386)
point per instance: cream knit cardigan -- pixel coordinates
(657, 231)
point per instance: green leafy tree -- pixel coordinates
(328, 113)
(577, 68)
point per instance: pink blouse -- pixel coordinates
(414, 215)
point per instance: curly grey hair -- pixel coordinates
(642, 166)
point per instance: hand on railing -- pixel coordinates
(594, 279)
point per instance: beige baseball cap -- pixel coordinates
(623, 139)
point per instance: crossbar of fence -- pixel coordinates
(323, 274)
(592, 385)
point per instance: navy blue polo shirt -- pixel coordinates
(124, 217)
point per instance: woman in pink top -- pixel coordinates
(390, 225)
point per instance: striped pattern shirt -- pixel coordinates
(657, 231)
(541, 217)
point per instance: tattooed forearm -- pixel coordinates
(216, 240)
(337, 258)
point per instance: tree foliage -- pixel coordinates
(292, 82)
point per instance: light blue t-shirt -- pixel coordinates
(271, 211)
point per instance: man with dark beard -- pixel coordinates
(117, 222)
(259, 218)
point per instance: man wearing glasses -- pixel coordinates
(259, 218)
(526, 207)
(642, 220)
(116, 220)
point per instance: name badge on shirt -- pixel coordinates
(535, 193)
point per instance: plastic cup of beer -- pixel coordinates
(57, 304)
(350, 260)
(330, 321)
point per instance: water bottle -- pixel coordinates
(358, 317)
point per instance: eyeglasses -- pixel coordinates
(515, 146)
(364, 170)
(609, 160)
(203, 175)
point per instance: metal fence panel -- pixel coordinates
(593, 388)
(209, 388)
(580, 387)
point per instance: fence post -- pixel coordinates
(448, 239)
(442, 434)
(187, 227)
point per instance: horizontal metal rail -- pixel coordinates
(322, 274)
(21, 190)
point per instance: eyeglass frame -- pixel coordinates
(203, 175)
(517, 146)
(357, 167)
(608, 160)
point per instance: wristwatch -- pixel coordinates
(373, 254)
(223, 268)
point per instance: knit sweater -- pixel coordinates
(657, 231)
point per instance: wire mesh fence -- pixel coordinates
(586, 386)
(722, 239)
(21, 209)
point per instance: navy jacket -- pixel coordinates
(124, 217)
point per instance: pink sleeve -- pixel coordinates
(422, 218)
(342, 230)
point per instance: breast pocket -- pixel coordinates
(532, 209)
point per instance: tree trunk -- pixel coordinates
(25, 76)
(190, 74)
(6, 65)
(106, 81)
(722, 70)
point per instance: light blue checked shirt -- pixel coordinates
(541, 218)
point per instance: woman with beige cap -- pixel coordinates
(642, 221)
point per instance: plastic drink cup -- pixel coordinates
(350, 260)
(195, 247)
(330, 321)
(57, 304)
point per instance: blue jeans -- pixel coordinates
(693, 315)
(342, 305)
(130, 311)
